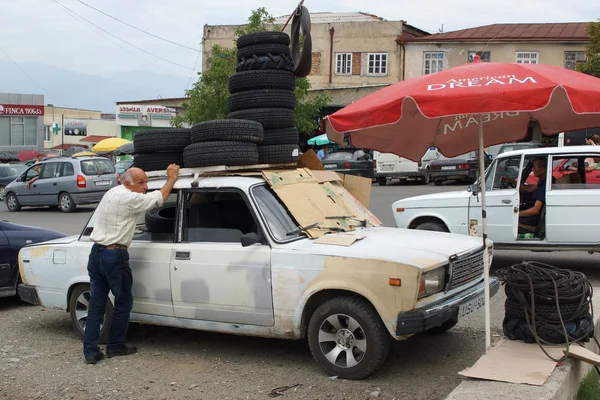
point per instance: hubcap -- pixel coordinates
(342, 341)
(82, 307)
(65, 202)
(12, 202)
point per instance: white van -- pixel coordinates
(390, 166)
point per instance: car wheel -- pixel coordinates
(79, 304)
(347, 338)
(12, 203)
(432, 226)
(445, 327)
(425, 180)
(66, 203)
(382, 181)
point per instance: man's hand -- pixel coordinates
(173, 171)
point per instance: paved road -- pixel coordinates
(40, 354)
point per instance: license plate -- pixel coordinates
(449, 167)
(471, 306)
(386, 168)
(102, 183)
(330, 166)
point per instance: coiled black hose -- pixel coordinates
(530, 283)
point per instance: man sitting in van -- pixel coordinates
(537, 194)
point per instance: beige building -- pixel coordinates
(558, 44)
(73, 127)
(353, 54)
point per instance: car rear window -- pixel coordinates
(97, 167)
(342, 155)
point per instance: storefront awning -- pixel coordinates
(95, 138)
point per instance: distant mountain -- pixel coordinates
(94, 92)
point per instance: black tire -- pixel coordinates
(382, 181)
(157, 161)
(263, 37)
(161, 219)
(263, 49)
(432, 226)
(66, 203)
(74, 306)
(549, 312)
(275, 137)
(425, 180)
(279, 154)
(207, 154)
(12, 203)
(261, 79)
(269, 61)
(160, 140)
(227, 129)
(269, 118)
(445, 327)
(370, 329)
(261, 98)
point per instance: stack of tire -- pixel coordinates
(156, 149)
(223, 142)
(262, 90)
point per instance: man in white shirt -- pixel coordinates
(108, 264)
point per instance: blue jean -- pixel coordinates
(108, 270)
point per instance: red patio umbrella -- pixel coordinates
(468, 107)
(29, 154)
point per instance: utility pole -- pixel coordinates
(62, 128)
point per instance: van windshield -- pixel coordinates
(97, 167)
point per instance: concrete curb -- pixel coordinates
(561, 385)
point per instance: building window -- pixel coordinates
(23, 131)
(343, 64)
(47, 134)
(485, 56)
(433, 61)
(377, 64)
(4, 131)
(572, 58)
(526, 57)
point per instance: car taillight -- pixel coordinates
(80, 181)
(118, 179)
(347, 165)
(374, 163)
(464, 166)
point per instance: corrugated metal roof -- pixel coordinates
(563, 32)
(328, 17)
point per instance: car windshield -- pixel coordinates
(278, 218)
(97, 167)
(12, 170)
(339, 156)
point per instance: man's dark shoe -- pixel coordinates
(123, 351)
(94, 359)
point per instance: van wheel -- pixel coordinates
(432, 226)
(79, 305)
(382, 181)
(347, 338)
(66, 203)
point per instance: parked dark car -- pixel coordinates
(464, 168)
(8, 173)
(350, 161)
(13, 237)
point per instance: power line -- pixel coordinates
(115, 43)
(134, 27)
(192, 74)
(22, 70)
(116, 37)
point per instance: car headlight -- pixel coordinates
(432, 282)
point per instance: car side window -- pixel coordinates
(576, 172)
(217, 216)
(50, 170)
(508, 167)
(67, 169)
(157, 224)
(31, 173)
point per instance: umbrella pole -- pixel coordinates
(486, 259)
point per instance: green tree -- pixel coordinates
(592, 66)
(208, 96)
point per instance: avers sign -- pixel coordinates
(20, 110)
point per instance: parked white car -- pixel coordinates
(235, 260)
(389, 166)
(570, 218)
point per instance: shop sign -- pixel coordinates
(75, 127)
(21, 110)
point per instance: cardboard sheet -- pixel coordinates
(515, 361)
(581, 353)
(359, 186)
(311, 161)
(339, 240)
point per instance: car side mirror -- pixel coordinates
(250, 239)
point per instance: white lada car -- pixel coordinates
(227, 254)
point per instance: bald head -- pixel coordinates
(135, 179)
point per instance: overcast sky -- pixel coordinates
(40, 31)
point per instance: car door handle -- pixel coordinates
(55, 183)
(516, 209)
(506, 201)
(182, 255)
